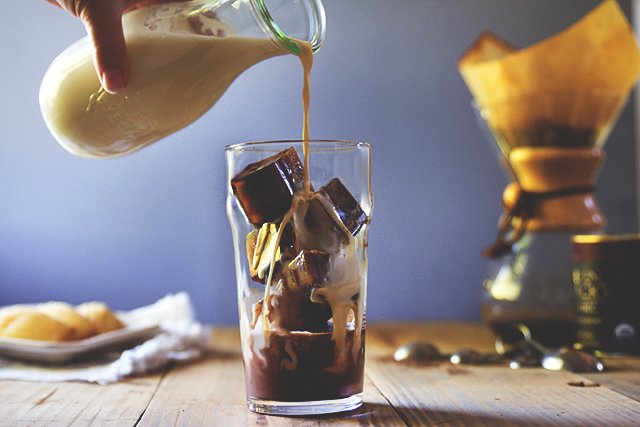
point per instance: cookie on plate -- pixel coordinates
(26, 323)
(81, 328)
(100, 316)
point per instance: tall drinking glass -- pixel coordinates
(301, 269)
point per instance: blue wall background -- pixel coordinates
(127, 231)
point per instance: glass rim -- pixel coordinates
(338, 143)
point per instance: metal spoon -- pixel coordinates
(554, 360)
(425, 352)
(418, 352)
(572, 360)
(469, 356)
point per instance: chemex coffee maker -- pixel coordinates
(549, 108)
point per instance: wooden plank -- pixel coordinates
(75, 404)
(382, 339)
(622, 375)
(498, 396)
(212, 393)
(446, 394)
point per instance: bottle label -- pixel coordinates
(607, 310)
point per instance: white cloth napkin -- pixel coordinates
(181, 338)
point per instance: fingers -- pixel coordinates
(103, 21)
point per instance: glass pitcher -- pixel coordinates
(552, 147)
(183, 56)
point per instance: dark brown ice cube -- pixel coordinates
(260, 244)
(317, 228)
(293, 309)
(261, 250)
(345, 205)
(306, 270)
(265, 189)
(328, 218)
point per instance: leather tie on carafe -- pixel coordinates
(513, 221)
(553, 190)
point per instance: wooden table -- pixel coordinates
(211, 392)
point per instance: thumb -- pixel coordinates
(103, 21)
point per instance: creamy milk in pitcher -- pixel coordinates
(183, 56)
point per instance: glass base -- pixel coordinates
(316, 407)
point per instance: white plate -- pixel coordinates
(59, 352)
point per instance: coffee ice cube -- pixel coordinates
(260, 245)
(293, 309)
(317, 227)
(262, 248)
(265, 189)
(306, 270)
(326, 221)
(345, 205)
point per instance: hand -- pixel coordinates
(103, 22)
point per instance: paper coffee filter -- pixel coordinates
(486, 47)
(597, 52)
(566, 90)
(570, 119)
